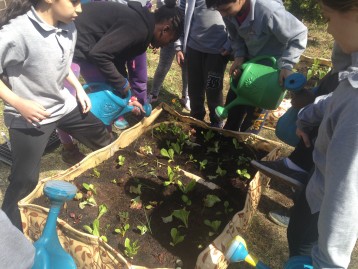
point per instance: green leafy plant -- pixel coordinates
(181, 214)
(191, 159)
(136, 190)
(202, 164)
(176, 237)
(317, 70)
(146, 150)
(120, 160)
(102, 209)
(162, 128)
(227, 207)
(242, 160)
(215, 148)
(210, 200)
(123, 229)
(96, 173)
(131, 249)
(89, 201)
(214, 225)
(89, 187)
(220, 172)
(208, 135)
(123, 216)
(168, 154)
(177, 147)
(185, 190)
(172, 175)
(236, 144)
(95, 229)
(243, 173)
(142, 228)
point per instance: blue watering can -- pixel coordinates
(106, 105)
(49, 252)
(286, 124)
(238, 252)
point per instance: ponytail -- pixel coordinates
(169, 11)
(16, 8)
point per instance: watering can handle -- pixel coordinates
(260, 58)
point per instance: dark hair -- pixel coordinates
(216, 3)
(341, 5)
(172, 13)
(16, 8)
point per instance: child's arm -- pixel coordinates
(82, 97)
(32, 111)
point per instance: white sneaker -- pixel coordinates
(185, 103)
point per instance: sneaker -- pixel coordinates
(72, 156)
(121, 123)
(152, 99)
(185, 103)
(280, 217)
(279, 170)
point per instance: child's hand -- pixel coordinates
(180, 58)
(235, 67)
(32, 111)
(137, 108)
(284, 74)
(84, 100)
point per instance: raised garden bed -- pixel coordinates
(147, 193)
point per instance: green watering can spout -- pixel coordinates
(258, 86)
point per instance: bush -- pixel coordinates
(308, 10)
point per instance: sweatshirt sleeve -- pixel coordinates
(312, 115)
(290, 31)
(338, 218)
(104, 52)
(237, 42)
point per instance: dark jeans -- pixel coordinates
(302, 231)
(243, 117)
(28, 145)
(205, 77)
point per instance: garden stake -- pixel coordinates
(49, 252)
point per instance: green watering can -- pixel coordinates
(258, 86)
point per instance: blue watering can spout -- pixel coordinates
(107, 105)
(49, 252)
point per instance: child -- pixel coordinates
(204, 50)
(259, 28)
(36, 49)
(327, 210)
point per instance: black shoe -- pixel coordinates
(72, 156)
(279, 170)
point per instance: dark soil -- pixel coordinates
(141, 178)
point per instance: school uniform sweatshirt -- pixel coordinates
(333, 187)
(110, 33)
(268, 30)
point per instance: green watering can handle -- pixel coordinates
(254, 60)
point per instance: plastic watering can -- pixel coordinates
(49, 252)
(237, 252)
(107, 106)
(258, 86)
(286, 124)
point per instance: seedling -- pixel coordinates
(208, 135)
(123, 229)
(148, 220)
(243, 173)
(172, 176)
(188, 187)
(131, 249)
(236, 144)
(202, 164)
(89, 187)
(227, 208)
(210, 200)
(177, 147)
(214, 225)
(96, 173)
(142, 228)
(168, 153)
(136, 190)
(176, 237)
(215, 148)
(180, 214)
(191, 159)
(102, 209)
(136, 203)
(220, 172)
(89, 201)
(243, 161)
(94, 230)
(123, 216)
(146, 150)
(162, 128)
(120, 160)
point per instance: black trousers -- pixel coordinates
(205, 77)
(28, 145)
(302, 231)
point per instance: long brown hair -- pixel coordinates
(16, 8)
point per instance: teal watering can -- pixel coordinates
(107, 106)
(49, 252)
(258, 86)
(286, 124)
(237, 252)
